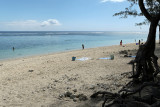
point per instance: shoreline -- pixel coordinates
(52, 53)
(43, 80)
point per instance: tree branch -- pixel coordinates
(158, 16)
(144, 11)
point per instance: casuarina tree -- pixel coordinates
(133, 94)
(146, 61)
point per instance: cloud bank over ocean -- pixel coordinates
(30, 24)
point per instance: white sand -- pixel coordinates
(55, 74)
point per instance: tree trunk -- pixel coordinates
(146, 61)
(159, 34)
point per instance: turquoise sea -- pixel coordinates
(28, 43)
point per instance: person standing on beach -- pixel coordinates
(139, 42)
(13, 48)
(121, 42)
(82, 46)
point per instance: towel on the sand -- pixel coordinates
(133, 56)
(129, 56)
(83, 59)
(106, 58)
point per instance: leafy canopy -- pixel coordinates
(152, 7)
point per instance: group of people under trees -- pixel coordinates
(139, 43)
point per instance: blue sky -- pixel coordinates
(65, 15)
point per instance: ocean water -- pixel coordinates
(28, 43)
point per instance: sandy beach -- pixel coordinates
(55, 80)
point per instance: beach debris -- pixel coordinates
(74, 100)
(68, 94)
(123, 52)
(75, 90)
(68, 88)
(92, 87)
(128, 53)
(75, 97)
(1, 64)
(50, 86)
(103, 86)
(30, 70)
(61, 95)
(56, 81)
(70, 78)
(82, 97)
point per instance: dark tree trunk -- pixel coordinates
(146, 70)
(150, 43)
(146, 61)
(159, 34)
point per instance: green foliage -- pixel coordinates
(152, 7)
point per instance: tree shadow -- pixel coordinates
(134, 94)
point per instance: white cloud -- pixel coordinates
(50, 22)
(103, 1)
(30, 25)
(22, 23)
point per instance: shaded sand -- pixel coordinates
(43, 81)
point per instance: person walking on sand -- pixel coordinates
(82, 46)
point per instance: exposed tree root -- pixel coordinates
(142, 91)
(133, 97)
(145, 66)
(133, 94)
